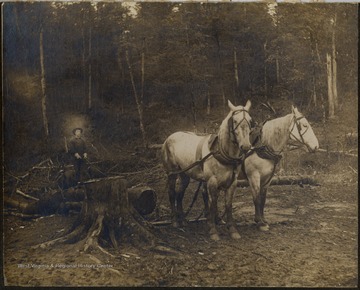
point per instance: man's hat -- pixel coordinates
(74, 130)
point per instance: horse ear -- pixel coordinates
(231, 106)
(293, 109)
(248, 105)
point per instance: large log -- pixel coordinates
(142, 198)
(285, 180)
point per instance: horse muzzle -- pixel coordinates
(245, 148)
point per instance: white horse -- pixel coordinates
(260, 162)
(214, 159)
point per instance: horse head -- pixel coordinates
(239, 123)
(302, 132)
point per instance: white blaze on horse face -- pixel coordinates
(241, 121)
(303, 132)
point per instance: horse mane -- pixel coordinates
(224, 124)
(224, 136)
(275, 133)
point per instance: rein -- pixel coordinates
(202, 160)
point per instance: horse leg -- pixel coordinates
(184, 182)
(213, 195)
(171, 182)
(228, 209)
(205, 196)
(262, 206)
(254, 181)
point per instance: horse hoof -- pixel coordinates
(235, 236)
(215, 237)
(263, 227)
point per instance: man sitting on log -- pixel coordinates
(77, 150)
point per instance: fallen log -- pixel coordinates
(169, 222)
(285, 180)
(337, 152)
(142, 198)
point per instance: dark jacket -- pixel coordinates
(77, 145)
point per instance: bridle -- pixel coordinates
(298, 126)
(232, 129)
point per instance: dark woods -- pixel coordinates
(128, 73)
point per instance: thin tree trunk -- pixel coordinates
(330, 86)
(122, 71)
(90, 74)
(208, 107)
(139, 103)
(313, 98)
(142, 70)
(321, 97)
(221, 76)
(277, 69)
(43, 86)
(83, 58)
(265, 72)
(334, 66)
(236, 75)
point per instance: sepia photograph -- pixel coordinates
(180, 144)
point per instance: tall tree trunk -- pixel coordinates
(90, 74)
(313, 98)
(208, 107)
(236, 76)
(265, 72)
(142, 70)
(334, 66)
(220, 72)
(330, 86)
(277, 68)
(122, 71)
(43, 86)
(139, 102)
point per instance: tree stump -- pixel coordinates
(106, 215)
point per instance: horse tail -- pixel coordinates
(166, 156)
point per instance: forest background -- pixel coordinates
(130, 75)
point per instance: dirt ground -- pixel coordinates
(312, 242)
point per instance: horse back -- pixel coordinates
(181, 149)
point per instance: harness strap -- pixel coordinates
(201, 161)
(265, 153)
(198, 153)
